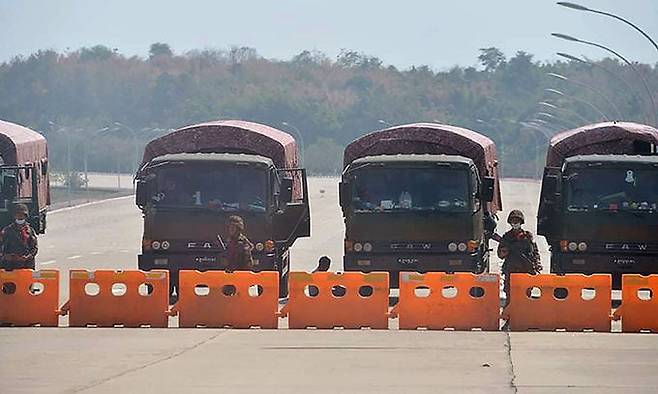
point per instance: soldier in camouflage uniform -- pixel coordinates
(519, 250)
(18, 242)
(238, 250)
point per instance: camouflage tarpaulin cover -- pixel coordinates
(430, 138)
(19, 146)
(227, 136)
(600, 138)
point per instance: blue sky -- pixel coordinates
(437, 33)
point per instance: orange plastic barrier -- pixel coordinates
(108, 298)
(572, 302)
(220, 299)
(328, 300)
(639, 303)
(438, 300)
(29, 298)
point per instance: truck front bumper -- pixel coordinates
(174, 262)
(396, 263)
(614, 264)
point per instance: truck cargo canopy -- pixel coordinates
(430, 138)
(227, 136)
(20, 145)
(618, 138)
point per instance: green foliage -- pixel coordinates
(76, 99)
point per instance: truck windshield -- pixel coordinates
(413, 189)
(612, 189)
(228, 188)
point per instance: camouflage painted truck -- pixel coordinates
(419, 197)
(194, 178)
(599, 200)
(24, 174)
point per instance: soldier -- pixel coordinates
(18, 242)
(519, 250)
(238, 250)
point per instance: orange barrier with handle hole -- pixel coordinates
(573, 302)
(218, 299)
(107, 298)
(29, 298)
(639, 303)
(437, 300)
(328, 300)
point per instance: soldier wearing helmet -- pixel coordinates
(519, 250)
(238, 250)
(18, 242)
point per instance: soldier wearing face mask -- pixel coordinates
(519, 250)
(18, 242)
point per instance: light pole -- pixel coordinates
(554, 119)
(566, 111)
(616, 76)
(290, 126)
(635, 70)
(596, 91)
(385, 123)
(579, 7)
(561, 94)
(135, 145)
(68, 177)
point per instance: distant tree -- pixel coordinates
(324, 157)
(491, 58)
(96, 53)
(160, 49)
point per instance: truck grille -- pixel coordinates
(624, 247)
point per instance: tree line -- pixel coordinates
(99, 107)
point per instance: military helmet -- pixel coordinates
(237, 221)
(516, 214)
(21, 208)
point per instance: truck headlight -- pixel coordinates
(452, 247)
(155, 245)
(582, 246)
(165, 245)
(358, 247)
(260, 247)
(573, 246)
(367, 247)
(462, 247)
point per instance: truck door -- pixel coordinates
(292, 219)
(549, 202)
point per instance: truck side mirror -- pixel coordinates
(286, 190)
(344, 194)
(488, 188)
(141, 193)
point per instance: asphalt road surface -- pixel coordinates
(108, 234)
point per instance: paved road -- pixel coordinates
(107, 235)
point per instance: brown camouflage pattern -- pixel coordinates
(600, 138)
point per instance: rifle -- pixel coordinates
(512, 248)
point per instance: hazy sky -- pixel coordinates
(438, 33)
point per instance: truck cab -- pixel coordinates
(599, 214)
(415, 213)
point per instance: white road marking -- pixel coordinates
(74, 257)
(90, 203)
(95, 253)
(48, 262)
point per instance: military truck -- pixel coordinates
(599, 200)
(23, 174)
(419, 197)
(193, 179)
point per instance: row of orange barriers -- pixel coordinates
(324, 300)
